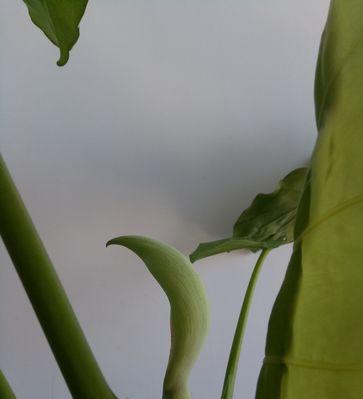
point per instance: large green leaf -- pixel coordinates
(59, 20)
(188, 307)
(314, 346)
(267, 223)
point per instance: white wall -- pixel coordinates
(167, 121)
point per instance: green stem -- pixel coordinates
(5, 390)
(47, 296)
(232, 366)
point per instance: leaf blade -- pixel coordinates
(271, 216)
(59, 21)
(267, 223)
(314, 341)
(227, 245)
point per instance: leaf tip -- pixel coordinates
(111, 242)
(193, 257)
(125, 241)
(64, 57)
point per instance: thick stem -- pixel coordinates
(47, 296)
(232, 366)
(5, 390)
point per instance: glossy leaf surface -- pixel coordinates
(188, 307)
(314, 345)
(59, 20)
(267, 223)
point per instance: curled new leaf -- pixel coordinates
(188, 303)
(267, 223)
(59, 21)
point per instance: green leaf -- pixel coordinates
(267, 223)
(229, 244)
(189, 311)
(59, 20)
(314, 342)
(271, 217)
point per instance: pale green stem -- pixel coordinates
(47, 296)
(5, 390)
(232, 366)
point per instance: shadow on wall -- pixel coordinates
(207, 187)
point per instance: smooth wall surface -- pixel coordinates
(169, 118)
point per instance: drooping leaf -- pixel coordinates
(188, 307)
(314, 344)
(267, 223)
(59, 20)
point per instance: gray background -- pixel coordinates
(167, 121)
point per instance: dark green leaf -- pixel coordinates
(227, 245)
(271, 216)
(59, 20)
(267, 223)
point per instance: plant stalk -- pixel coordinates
(232, 366)
(47, 296)
(5, 390)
